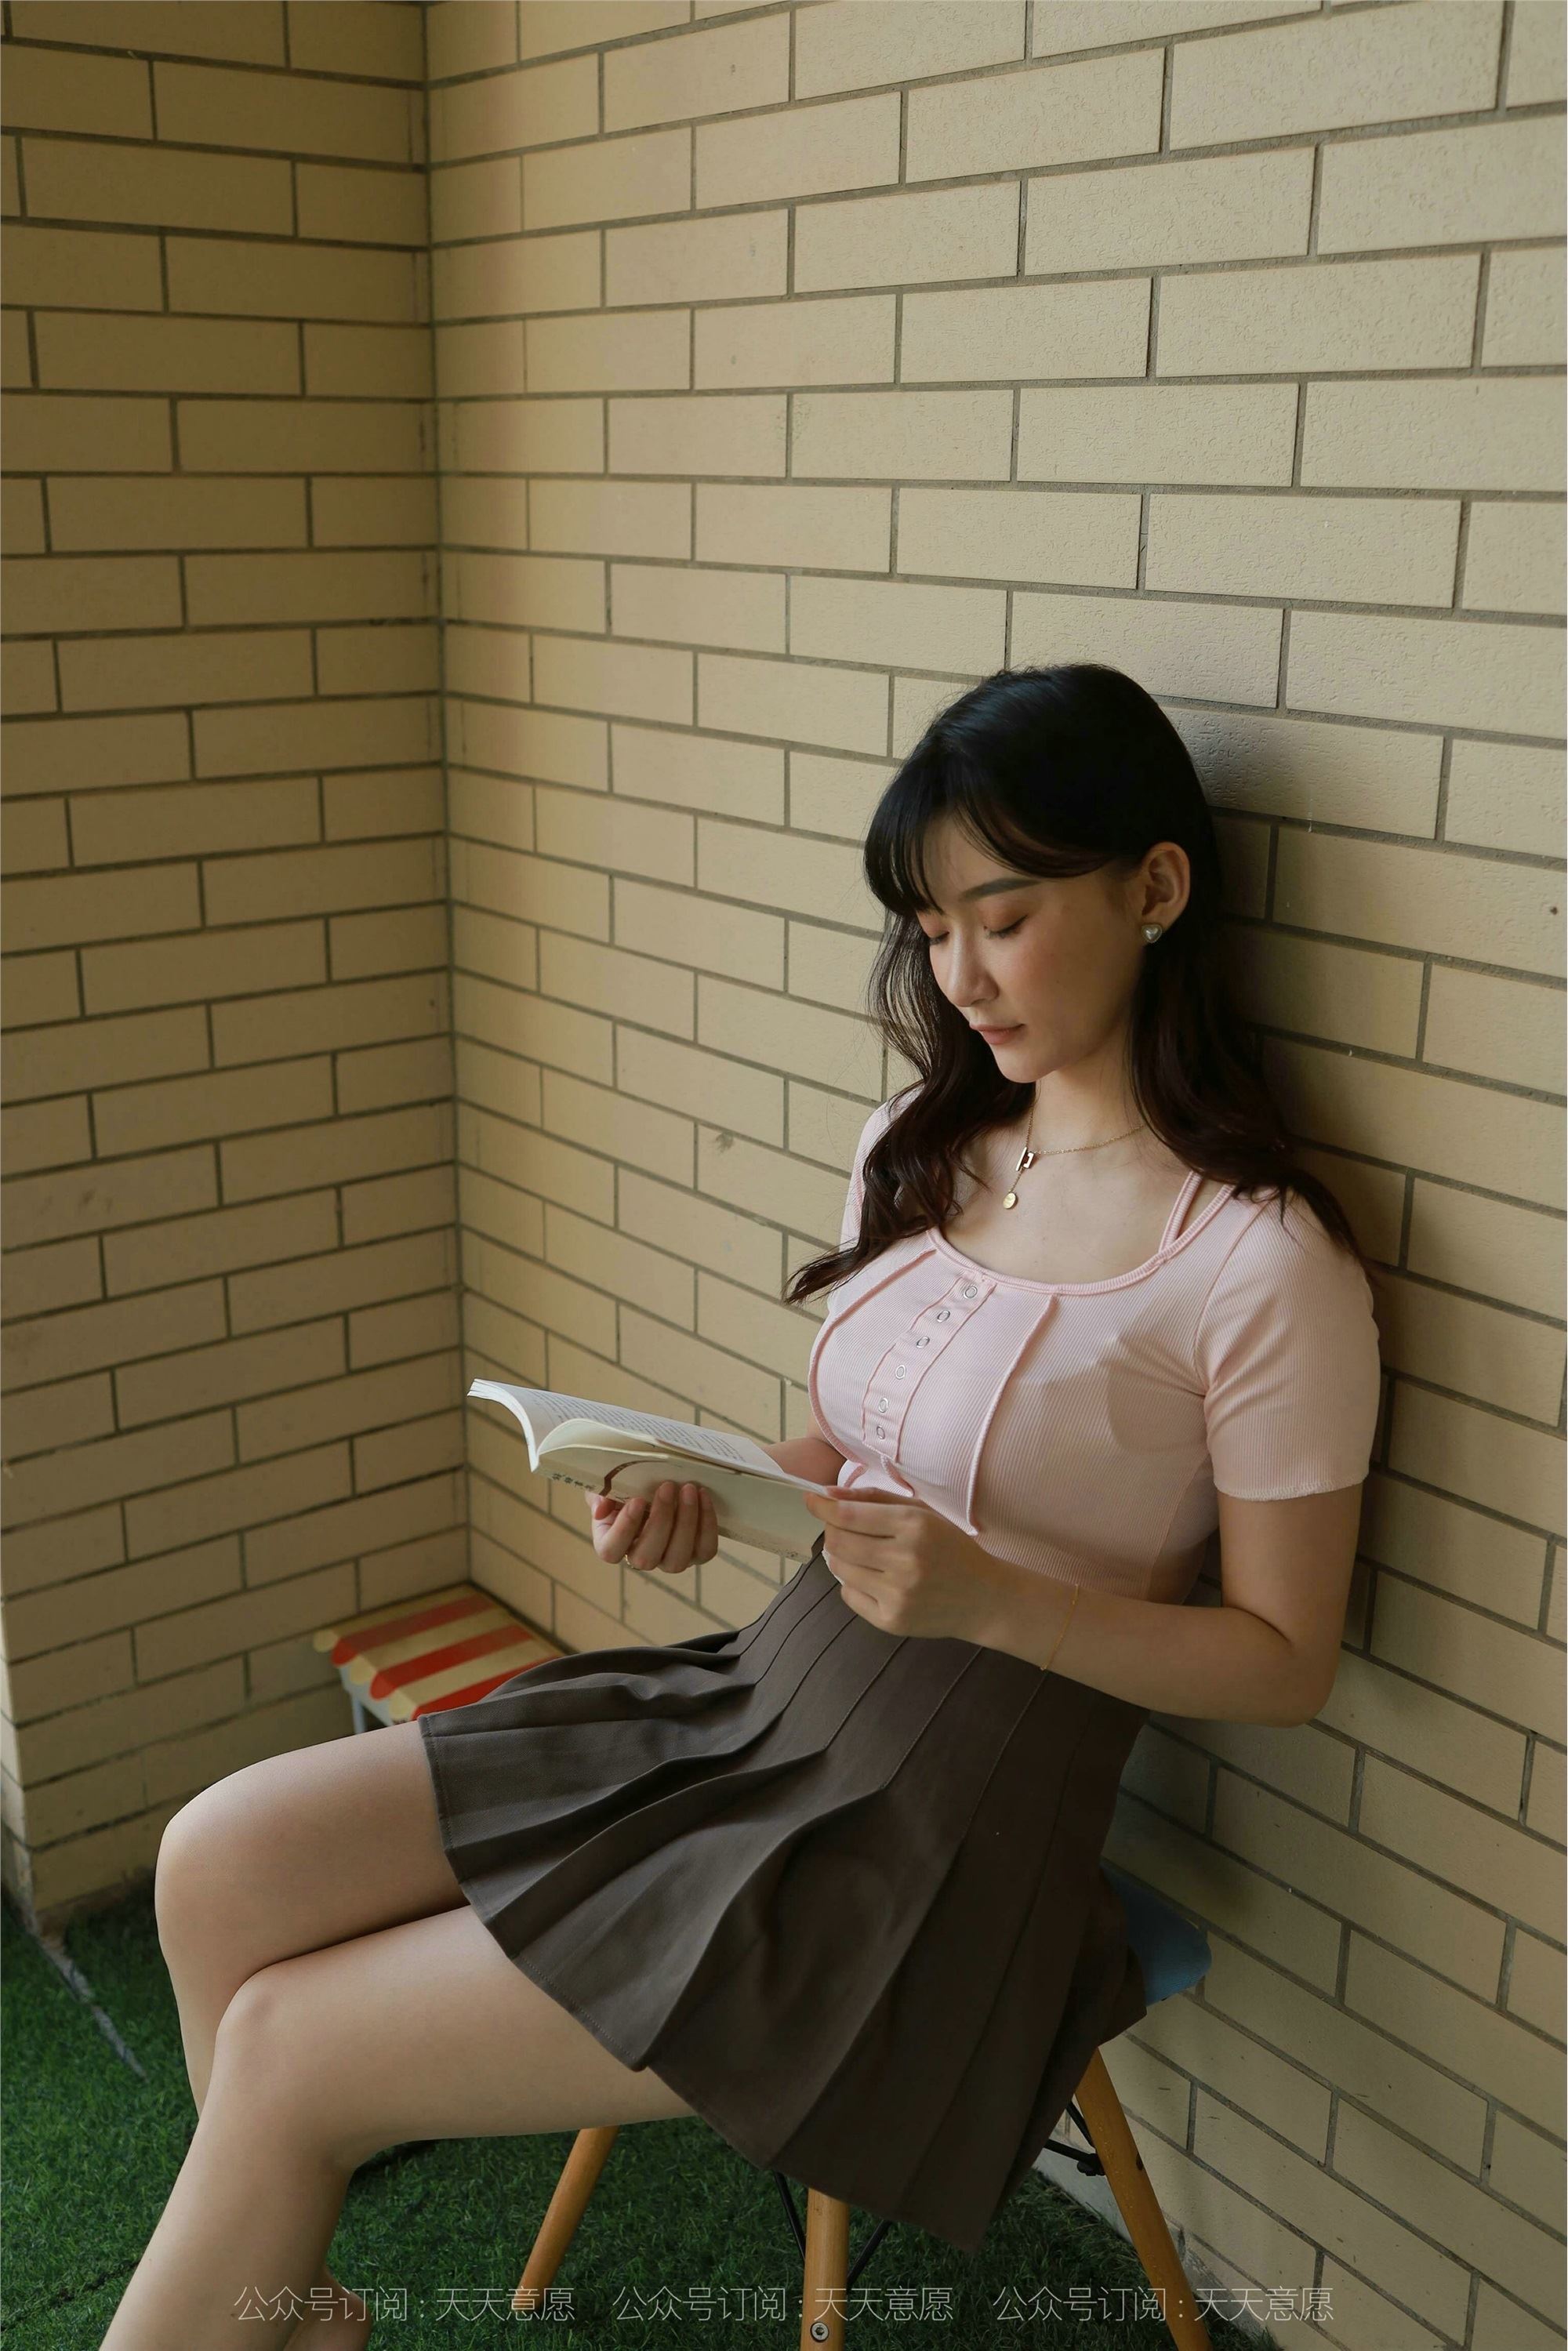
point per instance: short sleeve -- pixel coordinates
(850, 1224)
(1287, 1348)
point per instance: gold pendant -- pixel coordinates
(1026, 1159)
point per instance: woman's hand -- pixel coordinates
(906, 1568)
(675, 1528)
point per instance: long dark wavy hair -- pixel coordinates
(1061, 771)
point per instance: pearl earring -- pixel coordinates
(1153, 930)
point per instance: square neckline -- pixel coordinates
(1168, 1248)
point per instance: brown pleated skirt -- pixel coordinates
(840, 1888)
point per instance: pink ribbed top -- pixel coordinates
(1083, 1428)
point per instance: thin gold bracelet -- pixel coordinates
(1062, 1634)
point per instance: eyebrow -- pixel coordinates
(990, 889)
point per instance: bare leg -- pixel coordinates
(244, 2233)
(293, 1852)
(298, 2095)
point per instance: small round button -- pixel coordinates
(901, 1370)
(926, 1342)
(970, 1290)
(942, 1313)
(882, 1403)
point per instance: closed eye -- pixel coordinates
(936, 937)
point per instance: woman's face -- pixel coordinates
(1051, 962)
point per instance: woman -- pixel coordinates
(831, 1880)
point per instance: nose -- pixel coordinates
(965, 985)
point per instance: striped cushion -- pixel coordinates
(443, 1648)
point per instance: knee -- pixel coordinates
(255, 2036)
(268, 2052)
(176, 1870)
(197, 1855)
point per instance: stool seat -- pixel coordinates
(1173, 1953)
(420, 1655)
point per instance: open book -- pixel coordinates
(612, 1449)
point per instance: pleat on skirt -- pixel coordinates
(839, 1889)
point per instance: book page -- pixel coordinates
(547, 1409)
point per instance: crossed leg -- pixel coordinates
(310, 1923)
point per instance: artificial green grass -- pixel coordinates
(680, 2233)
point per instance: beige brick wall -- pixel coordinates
(231, 1354)
(795, 366)
(775, 399)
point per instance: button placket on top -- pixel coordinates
(905, 1362)
(1040, 1311)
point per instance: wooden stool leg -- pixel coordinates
(579, 2175)
(824, 2296)
(1138, 2204)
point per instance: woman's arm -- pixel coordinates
(1268, 1654)
(809, 1457)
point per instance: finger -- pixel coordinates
(616, 1537)
(684, 1535)
(648, 1550)
(867, 1559)
(710, 1525)
(639, 1514)
(865, 1514)
(611, 1535)
(858, 1604)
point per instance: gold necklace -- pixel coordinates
(1028, 1157)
